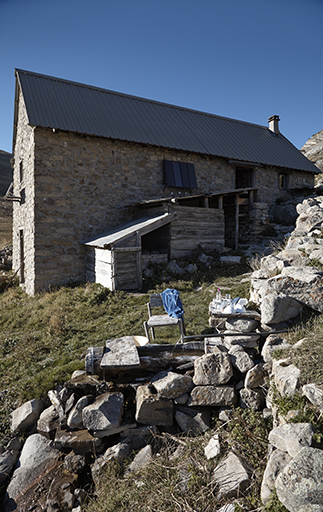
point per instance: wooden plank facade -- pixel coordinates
(119, 265)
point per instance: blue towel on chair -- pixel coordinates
(172, 303)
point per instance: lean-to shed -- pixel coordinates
(118, 257)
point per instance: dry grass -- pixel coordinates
(179, 476)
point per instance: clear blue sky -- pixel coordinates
(243, 59)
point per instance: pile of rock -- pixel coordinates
(289, 280)
(87, 422)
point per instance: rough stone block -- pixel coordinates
(212, 369)
(105, 413)
(152, 409)
(215, 396)
(194, 422)
(171, 385)
(252, 399)
(299, 486)
(291, 437)
(240, 359)
(25, 416)
(276, 463)
(232, 476)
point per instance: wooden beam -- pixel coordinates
(125, 249)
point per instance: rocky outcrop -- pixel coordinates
(285, 283)
(313, 149)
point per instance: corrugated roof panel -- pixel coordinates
(70, 106)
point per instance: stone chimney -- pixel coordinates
(274, 124)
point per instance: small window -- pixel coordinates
(179, 174)
(244, 177)
(23, 196)
(21, 171)
(283, 181)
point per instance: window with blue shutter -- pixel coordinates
(179, 174)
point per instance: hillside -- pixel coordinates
(5, 206)
(5, 172)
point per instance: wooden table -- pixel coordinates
(216, 317)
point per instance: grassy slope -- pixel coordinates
(44, 338)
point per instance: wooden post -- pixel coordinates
(138, 260)
(206, 202)
(220, 203)
(251, 199)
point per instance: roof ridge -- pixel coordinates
(140, 98)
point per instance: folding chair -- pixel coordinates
(160, 320)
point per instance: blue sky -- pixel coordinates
(243, 59)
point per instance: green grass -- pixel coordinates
(43, 339)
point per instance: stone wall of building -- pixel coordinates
(23, 212)
(266, 180)
(85, 185)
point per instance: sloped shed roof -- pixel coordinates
(143, 225)
(71, 106)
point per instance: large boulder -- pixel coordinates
(37, 459)
(304, 284)
(299, 485)
(279, 308)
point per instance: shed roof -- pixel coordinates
(74, 107)
(122, 231)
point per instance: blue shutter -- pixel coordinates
(179, 174)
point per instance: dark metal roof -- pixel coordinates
(70, 106)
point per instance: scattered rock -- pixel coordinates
(213, 448)
(314, 395)
(141, 460)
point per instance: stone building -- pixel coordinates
(90, 163)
